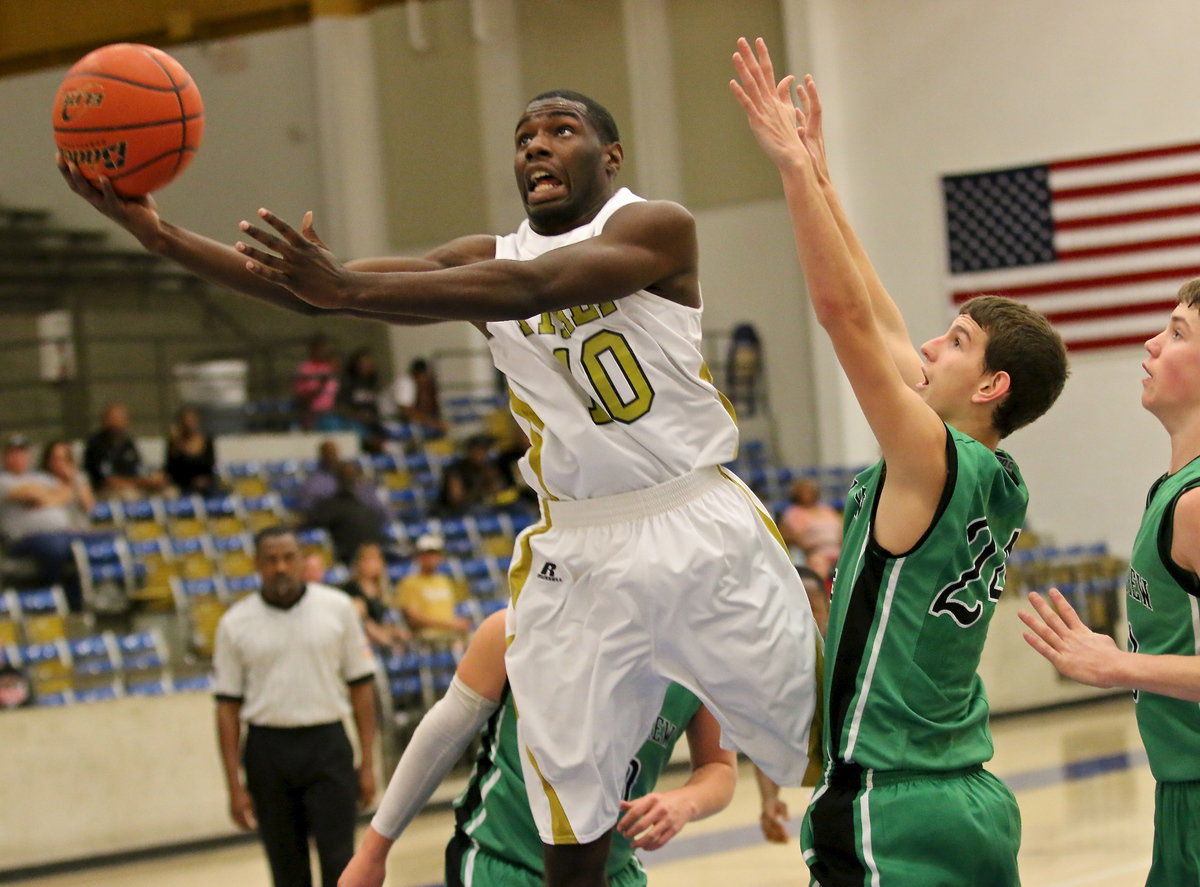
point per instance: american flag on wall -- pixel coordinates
(1100, 245)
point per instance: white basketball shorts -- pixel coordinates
(612, 598)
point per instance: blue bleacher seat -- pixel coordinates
(100, 693)
(337, 575)
(476, 568)
(401, 431)
(221, 506)
(104, 513)
(240, 585)
(490, 607)
(92, 655)
(157, 687)
(41, 600)
(485, 587)
(195, 683)
(183, 506)
(141, 650)
(246, 468)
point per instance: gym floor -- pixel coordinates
(1079, 773)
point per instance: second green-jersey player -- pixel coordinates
(495, 840)
(1164, 619)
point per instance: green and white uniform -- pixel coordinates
(1164, 619)
(495, 840)
(905, 800)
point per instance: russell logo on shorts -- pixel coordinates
(547, 572)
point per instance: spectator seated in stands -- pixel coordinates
(414, 398)
(191, 459)
(358, 400)
(474, 480)
(350, 519)
(15, 691)
(40, 515)
(59, 462)
(112, 460)
(315, 386)
(427, 596)
(812, 528)
(368, 586)
(322, 480)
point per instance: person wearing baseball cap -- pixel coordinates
(427, 595)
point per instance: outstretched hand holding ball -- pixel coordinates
(129, 113)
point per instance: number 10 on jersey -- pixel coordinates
(616, 376)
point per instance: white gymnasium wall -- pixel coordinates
(915, 89)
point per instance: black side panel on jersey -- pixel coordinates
(460, 843)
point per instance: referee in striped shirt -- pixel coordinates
(291, 663)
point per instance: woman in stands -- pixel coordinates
(369, 587)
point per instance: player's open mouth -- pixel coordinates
(542, 183)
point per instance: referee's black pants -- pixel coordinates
(303, 783)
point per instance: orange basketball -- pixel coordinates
(129, 112)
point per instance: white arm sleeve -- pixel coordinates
(439, 740)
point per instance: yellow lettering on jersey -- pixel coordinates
(565, 327)
(607, 308)
(614, 344)
(546, 324)
(525, 328)
(581, 314)
(597, 412)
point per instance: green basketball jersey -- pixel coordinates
(492, 813)
(1164, 618)
(906, 630)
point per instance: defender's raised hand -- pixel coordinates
(298, 261)
(768, 105)
(811, 125)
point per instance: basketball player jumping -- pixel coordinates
(1161, 665)
(650, 563)
(905, 800)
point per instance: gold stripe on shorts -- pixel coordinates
(768, 522)
(518, 571)
(560, 826)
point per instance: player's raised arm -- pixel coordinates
(908, 431)
(438, 742)
(810, 119)
(221, 264)
(649, 245)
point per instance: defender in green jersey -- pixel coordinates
(495, 840)
(1162, 665)
(905, 800)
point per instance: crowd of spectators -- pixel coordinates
(44, 507)
(334, 395)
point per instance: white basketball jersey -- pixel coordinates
(614, 396)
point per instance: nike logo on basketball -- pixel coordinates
(547, 572)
